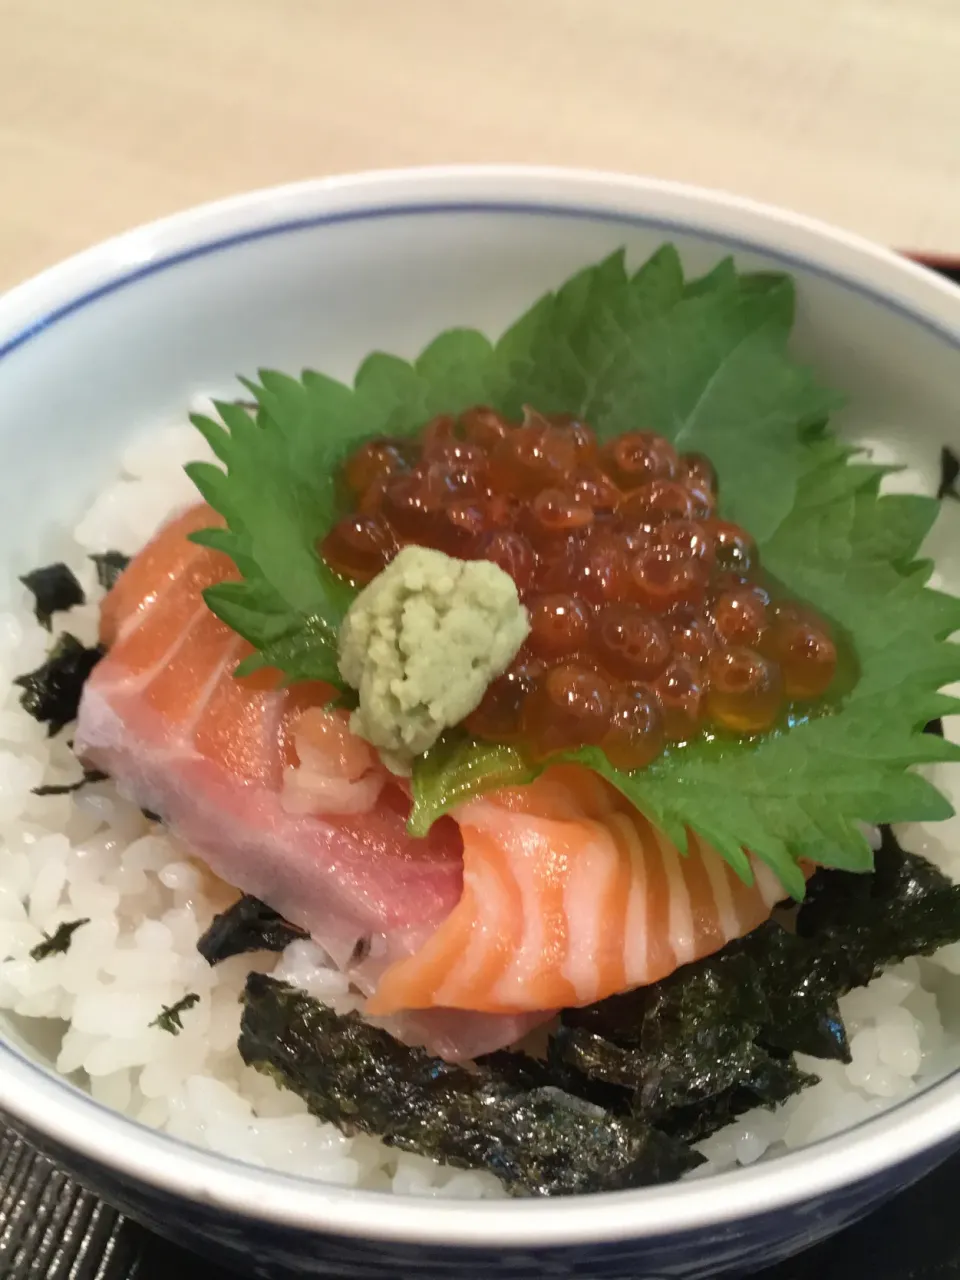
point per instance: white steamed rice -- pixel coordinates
(94, 854)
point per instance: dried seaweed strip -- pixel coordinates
(67, 788)
(772, 1082)
(58, 942)
(802, 1011)
(539, 1141)
(715, 1038)
(248, 925)
(519, 1070)
(51, 693)
(170, 1016)
(110, 565)
(55, 589)
(697, 1039)
(861, 924)
(524, 1072)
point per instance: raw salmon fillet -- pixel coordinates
(560, 893)
(571, 895)
(163, 714)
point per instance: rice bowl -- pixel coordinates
(900, 1035)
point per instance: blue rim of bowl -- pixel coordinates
(433, 208)
(301, 1204)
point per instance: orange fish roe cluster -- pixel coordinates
(649, 619)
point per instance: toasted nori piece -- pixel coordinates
(694, 1037)
(525, 1072)
(538, 1141)
(248, 925)
(949, 473)
(804, 1016)
(765, 983)
(58, 942)
(773, 1083)
(168, 1019)
(861, 924)
(65, 788)
(55, 589)
(51, 694)
(110, 565)
(770, 1081)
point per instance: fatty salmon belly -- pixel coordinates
(570, 895)
(163, 714)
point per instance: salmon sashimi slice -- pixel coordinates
(571, 895)
(217, 758)
(555, 894)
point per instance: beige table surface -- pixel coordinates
(117, 111)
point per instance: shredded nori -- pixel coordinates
(168, 1019)
(949, 473)
(538, 1141)
(58, 942)
(55, 589)
(66, 788)
(110, 565)
(51, 694)
(248, 925)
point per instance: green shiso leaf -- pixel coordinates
(706, 363)
(457, 768)
(277, 497)
(851, 553)
(801, 793)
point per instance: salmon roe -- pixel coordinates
(649, 619)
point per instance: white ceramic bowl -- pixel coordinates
(318, 275)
